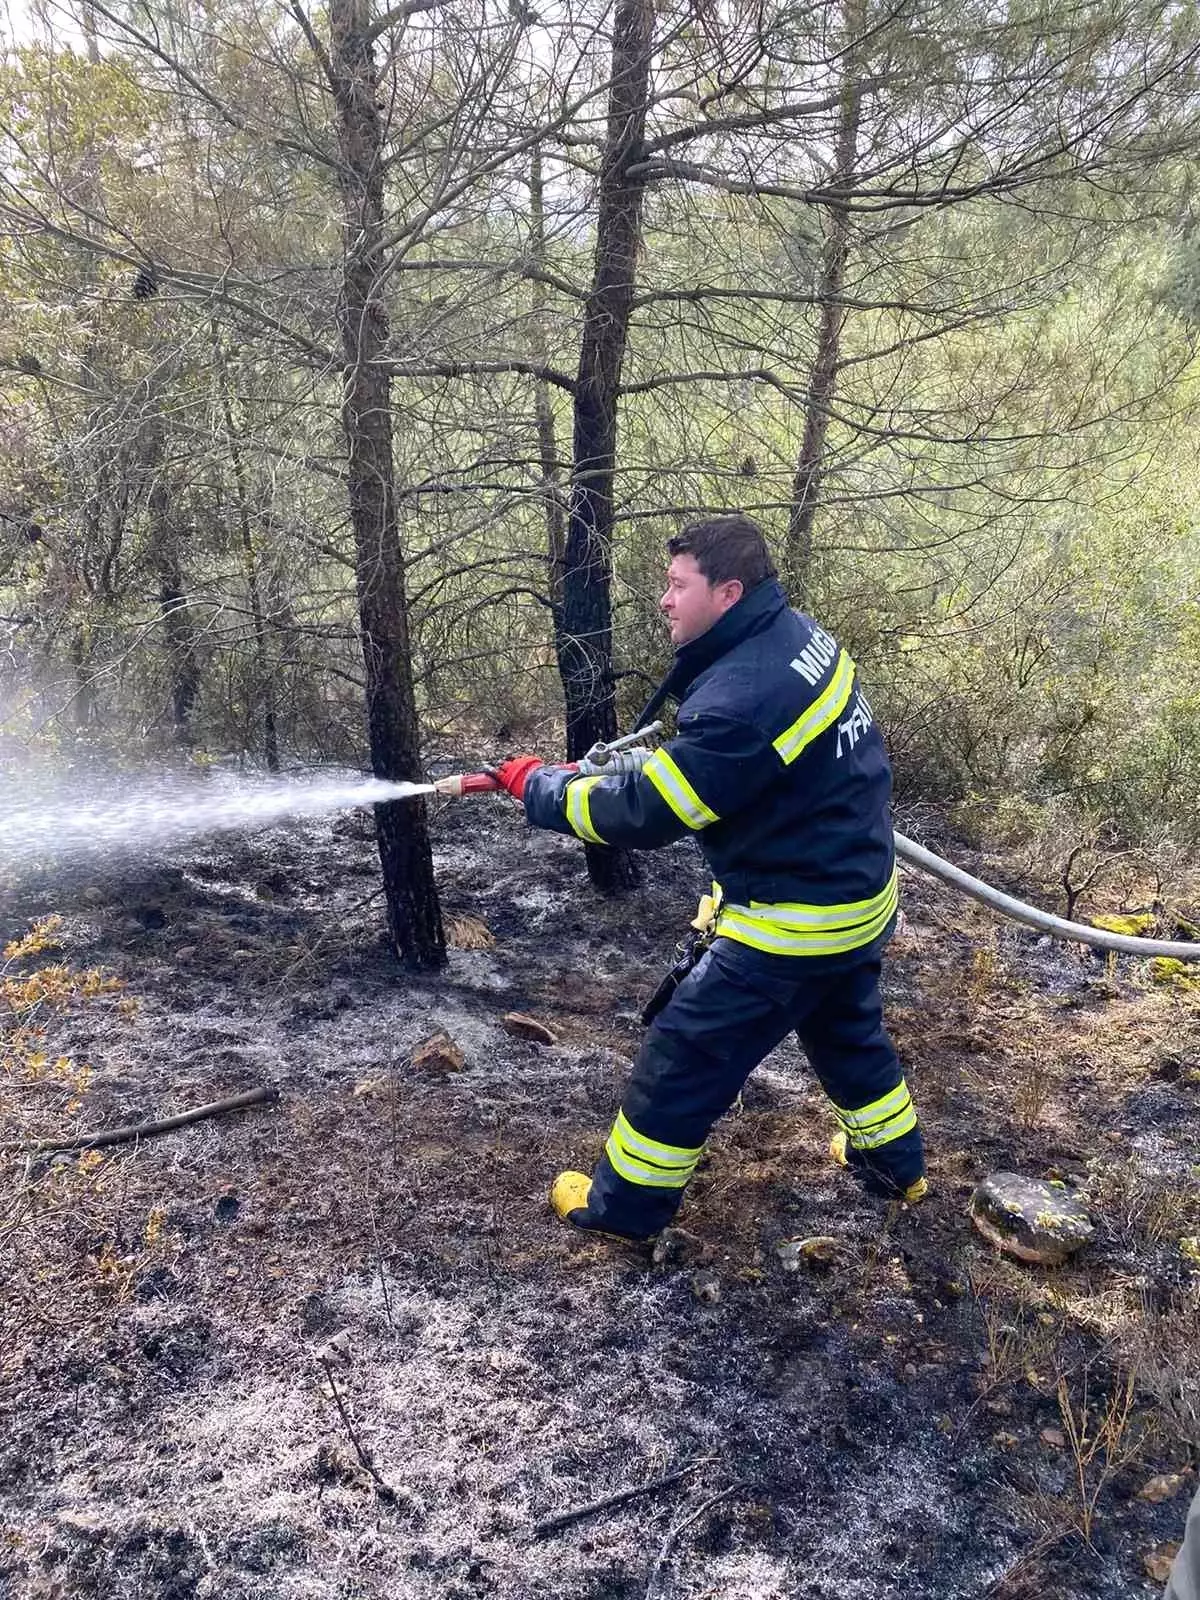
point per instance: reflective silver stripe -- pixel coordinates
(823, 712)
(579, 809)
(665, 774)
(666, 1155)
(895, 1128)
(638, 1172)
(792, 914)
(779, 944)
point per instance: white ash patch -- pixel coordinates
(782, 1074)
(540, 903)
(261, 1434)
(1160, 1157)
(744, 1576)
(480, 1038)
(478, 969)
(880, 1509)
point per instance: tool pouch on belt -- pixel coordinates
(689, 951)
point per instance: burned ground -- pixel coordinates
(906, 1414)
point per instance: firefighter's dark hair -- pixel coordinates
(725, 547)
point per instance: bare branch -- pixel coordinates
(398, 14)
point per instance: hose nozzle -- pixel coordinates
(461, 783)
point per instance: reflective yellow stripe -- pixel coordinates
(638, 1172)
(667, 1155)
(649, 1162)
(800, 930)
(877, 1111)
(824, 711)
(904, 1123)
(794, 914)
(901, 1124)
(665, 775)
(579, 808)
(762, 937)
(885, 1119)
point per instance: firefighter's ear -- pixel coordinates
(730, 592)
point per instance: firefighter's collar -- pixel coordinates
(752, 613)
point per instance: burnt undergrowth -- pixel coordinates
(340, 1346)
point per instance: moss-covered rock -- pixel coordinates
(1170, 970)
(1133, 924)
(1031, 1220)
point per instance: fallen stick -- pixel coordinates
(564, 1519)
(382, 1488)
(146, 1130)
(681, 1527)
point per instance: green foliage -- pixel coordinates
(1005, 527)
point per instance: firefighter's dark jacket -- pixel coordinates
(780, 771)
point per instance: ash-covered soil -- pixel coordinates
(889, 1420)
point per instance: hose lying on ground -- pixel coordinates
(1056, 927)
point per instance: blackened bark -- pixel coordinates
(85, 694)
(165, 560)
(414, 915)
(543, 406)
(173, 604)
(806, 485)
(585, 635)
(263, 692)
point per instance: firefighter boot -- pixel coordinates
(569, 1198)
(873, 1179)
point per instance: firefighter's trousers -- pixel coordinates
(732, 1010)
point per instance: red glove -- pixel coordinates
(513, 773)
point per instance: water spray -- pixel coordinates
(166, 812)
(83, 817)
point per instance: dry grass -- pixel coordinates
(1034, 1083)
(1021, 1328)
(71, 1233)
(1112, 1339)
(1104, 1434)
(469, 933)
(1165, 1347)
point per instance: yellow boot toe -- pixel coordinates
(569, 1192)
(915, 1191)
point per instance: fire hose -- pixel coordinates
(623, 756)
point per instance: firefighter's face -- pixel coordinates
(691, 603)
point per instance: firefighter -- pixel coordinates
(779, 770)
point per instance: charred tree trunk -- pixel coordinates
(585, 633)
(173, 604)
(414, 915)
(806, 485)
(551, 467)
(81, 662)
(165, 560)
(264, 691)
